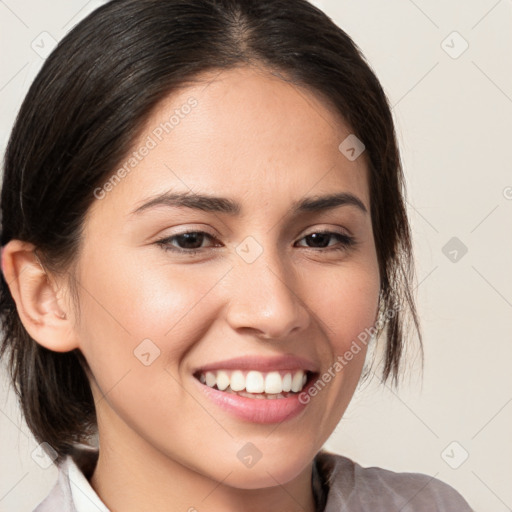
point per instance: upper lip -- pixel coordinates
(259, 363)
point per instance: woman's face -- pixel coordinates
(261, 289)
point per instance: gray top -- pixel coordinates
(339, 485)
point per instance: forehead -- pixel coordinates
(243, 133)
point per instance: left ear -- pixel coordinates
(41, 308)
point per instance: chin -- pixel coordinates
(263, 477)
(275, 467)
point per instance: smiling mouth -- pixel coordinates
(255, 384)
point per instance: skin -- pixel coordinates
(163, 445)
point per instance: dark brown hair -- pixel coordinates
(86, 107)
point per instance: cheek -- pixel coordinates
(346, 302)
(123, 305)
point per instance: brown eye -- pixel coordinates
(320, 240)
(189, 242)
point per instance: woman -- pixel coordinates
(203, 232)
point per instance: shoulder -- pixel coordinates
(350, 486)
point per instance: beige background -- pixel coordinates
(454, 119)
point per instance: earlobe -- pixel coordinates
(39, 306)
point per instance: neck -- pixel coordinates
(132, 475)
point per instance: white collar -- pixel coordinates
(83, 495)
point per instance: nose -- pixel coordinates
(264, 298)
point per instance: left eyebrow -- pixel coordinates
(328, 202)
(231, 207)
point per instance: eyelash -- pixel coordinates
(347, 242)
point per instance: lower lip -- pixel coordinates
(256, 410)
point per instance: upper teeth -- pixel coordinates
(254, 381)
